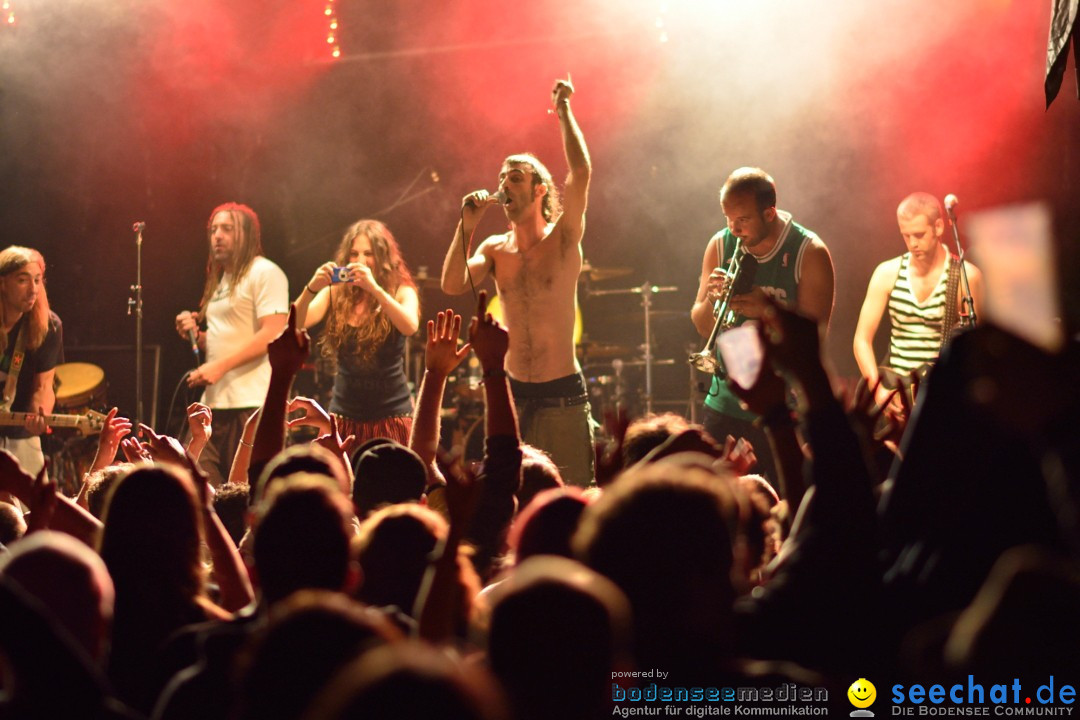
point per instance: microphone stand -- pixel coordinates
(136, 303)
(969, 317)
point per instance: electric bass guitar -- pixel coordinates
(89, 424)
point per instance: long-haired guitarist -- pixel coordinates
(31, 339)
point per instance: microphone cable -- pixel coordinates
(465, 253)
(172, 403)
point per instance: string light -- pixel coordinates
(8, 13)
(332, 27)
(660, 24)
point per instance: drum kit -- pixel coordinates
(80, 390)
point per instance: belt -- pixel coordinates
(554, 402)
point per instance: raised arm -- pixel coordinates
(873, 307)
(200, 419)
(502, 447)
(576, 192)
(238, 472)
(767, 398)
(442, 356)
(490, 342)
(287, 354)
(314, 299)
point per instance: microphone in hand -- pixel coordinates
(498, 195)
(193, 336)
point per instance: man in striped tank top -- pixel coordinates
(913, 288)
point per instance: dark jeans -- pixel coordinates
(720, 426)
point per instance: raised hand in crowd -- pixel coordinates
(793, 343)
(238, 471)
(134, 450)
(313, 414)
(490, 342)
(502, 442)
(768, 398)
(341, 449)
(168, 450)
(333, 441)
(199, 419)
(443, 353)
(114, 430)
(287, 353)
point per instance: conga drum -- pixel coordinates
(79, 387)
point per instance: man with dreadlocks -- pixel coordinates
(245, 305)
(536, 266)
(31, 341)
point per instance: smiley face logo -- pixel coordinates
(862, 693)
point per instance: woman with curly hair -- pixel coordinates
(370, 309)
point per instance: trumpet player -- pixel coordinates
(793, 266)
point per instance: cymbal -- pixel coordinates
(593, 368)
(599, 274)
(592, 349)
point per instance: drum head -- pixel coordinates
(77, 384)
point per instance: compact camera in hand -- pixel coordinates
(340, 275)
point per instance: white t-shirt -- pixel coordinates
(231, 322)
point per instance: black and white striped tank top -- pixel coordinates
(916, 327)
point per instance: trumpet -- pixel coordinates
(739, 280)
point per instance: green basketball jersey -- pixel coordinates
(778, 274)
